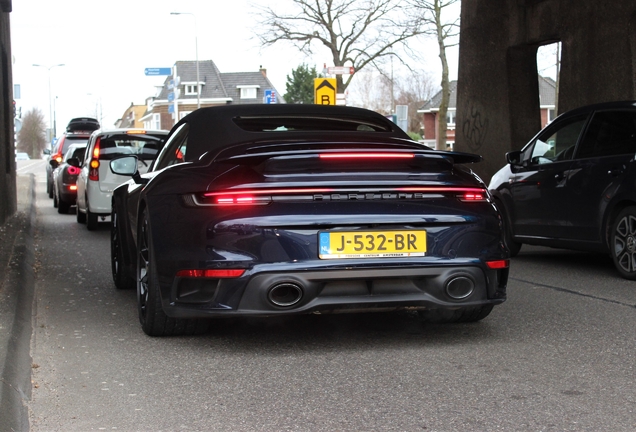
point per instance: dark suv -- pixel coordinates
(573, 185)
(77, 131)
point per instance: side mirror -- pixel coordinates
(46, 151)
(74, 162)
(127, 166)
(514, 158)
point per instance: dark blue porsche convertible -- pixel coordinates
(264, 210)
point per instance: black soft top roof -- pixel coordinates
(219, 127)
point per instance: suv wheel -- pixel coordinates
(81, 217)
(623, 243)
(91, 219)
(62, 206)
(513, 246)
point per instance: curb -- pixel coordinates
(17, 292)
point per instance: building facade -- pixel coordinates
(215, 87)
(430, 110)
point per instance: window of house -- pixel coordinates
(248, 92)
(156, 121)
(190, 89)
(450, 117)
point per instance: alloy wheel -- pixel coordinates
(143, 269)
(624, 243)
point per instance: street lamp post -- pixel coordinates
(51, 117)
(196, 49)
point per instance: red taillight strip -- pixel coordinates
(211, 274)
(499, 264)
(442, 189)
(366, 156)
(267, 191)
(435, 189)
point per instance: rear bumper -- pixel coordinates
(99, 202)
(337, 290)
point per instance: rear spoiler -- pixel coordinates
(433, 155)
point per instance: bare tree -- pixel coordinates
(414, 91)
(447, 32)
(357, 33)
(32, 136)
(371, 90)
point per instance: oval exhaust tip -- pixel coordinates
(460, 287)
(285, 294)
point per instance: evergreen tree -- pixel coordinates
(300, 86)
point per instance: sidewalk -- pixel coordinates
(17, 284)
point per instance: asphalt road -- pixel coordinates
(559, 355)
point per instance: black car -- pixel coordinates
(264, 210)
(78, 131)
(572, 185)
(65, 179)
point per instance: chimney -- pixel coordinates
(263, 71)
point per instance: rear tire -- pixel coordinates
(154, 321)
(55, 201)
(122, 281)
(49, 188)
(447, 316)
(623, 243)
(62, 206)
(513, 246)
(92, 222)
(81, 217)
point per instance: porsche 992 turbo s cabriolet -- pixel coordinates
(264, 210)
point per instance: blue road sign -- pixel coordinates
(171, 109)
(158, 71)
(170, 96)
(270, 96)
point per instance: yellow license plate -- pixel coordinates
(371, 244)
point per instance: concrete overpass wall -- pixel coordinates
(498, 97)
(7, 149)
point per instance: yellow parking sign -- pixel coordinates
(325, 91)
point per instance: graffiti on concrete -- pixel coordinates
(475, 126)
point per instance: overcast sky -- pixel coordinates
(106, 45)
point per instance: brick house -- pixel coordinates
(547, 105)
(217, 88)
(132, 117)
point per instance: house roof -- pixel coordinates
(434, 103)
(547, 95)
(216, 85)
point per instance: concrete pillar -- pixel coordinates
(8, 202)
(498, 97)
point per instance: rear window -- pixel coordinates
(145, 147)
(68, 140)
(310, 123)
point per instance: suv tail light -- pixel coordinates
(93, 172)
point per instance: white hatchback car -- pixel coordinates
(96, 182)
